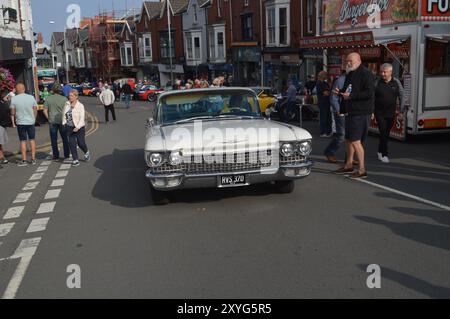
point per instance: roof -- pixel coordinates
(71, 35)
(59, 37)
(208, 90)
(179, 6)
(154, 9)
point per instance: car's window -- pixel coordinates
(205, 105)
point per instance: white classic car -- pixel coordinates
(217, 138)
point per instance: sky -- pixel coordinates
(45, 11)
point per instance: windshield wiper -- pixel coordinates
(193, 119)
(240, 117)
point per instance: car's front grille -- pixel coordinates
(242, 162)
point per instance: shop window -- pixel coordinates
(437, 57)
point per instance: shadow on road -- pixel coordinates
(413, 283)
(123, 184)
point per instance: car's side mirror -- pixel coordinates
(150, 122)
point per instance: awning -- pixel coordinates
(176, 68)
(338, 41)
(390, 40)
(439, 38)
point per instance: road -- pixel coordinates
(239, 243)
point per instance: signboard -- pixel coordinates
(361, 14)
(436, 10)
(47, 73)
(15, 49)
(336, 41)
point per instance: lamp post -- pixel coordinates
(170, 42)
(67, 56)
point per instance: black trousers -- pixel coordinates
(77, 139)
(110, 108)
(384, 125)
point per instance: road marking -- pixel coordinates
(58, 183)
(52, 194)
(46, 163)
(65, 167)
(62, 174)
(22, 198)
(36, 176)
(5, 229)
(419, 199)
(38, 225)
(14, 212)
(25, 252)
(46, 208)
(42, 169)
(30, 186)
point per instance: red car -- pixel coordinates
(149, 93)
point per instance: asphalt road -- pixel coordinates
(240, 243)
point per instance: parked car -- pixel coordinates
(266, 97)
(148, 93)
(179, 158)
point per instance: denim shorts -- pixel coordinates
(357, 127)
(26, 132)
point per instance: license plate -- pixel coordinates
(232, 181)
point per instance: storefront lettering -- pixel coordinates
(17, 50)
(357, 11)
(443, 6)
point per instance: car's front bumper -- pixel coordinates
(183, 181)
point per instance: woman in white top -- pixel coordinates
(74, 121)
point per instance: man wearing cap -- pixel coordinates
(53, 111)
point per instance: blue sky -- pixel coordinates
(45, 11)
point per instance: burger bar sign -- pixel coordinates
(436, 10)
(357, 14)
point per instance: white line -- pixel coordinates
(65, 167)
(46, 208)
(62, 174)
(16, 280)
(58, 183)
(5, 229)
(22, 198)
(36, 176)
(38, 225)
(14, 212)
(42, 169)
(27, 248)
(30, 186)
(52, 194)
(419, 199)
(46, 163)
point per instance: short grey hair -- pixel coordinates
(387, 66)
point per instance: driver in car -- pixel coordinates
(237, 104)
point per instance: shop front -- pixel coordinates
(165, 73)
(247, 64)
(15, 55)
(280, 68)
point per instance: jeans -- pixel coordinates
(290, 107)
(110, 108)
(325, 119)
(128, 100)
(54, 129)
(77, 138)
(384, 125)
(338, 138)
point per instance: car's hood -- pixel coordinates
(222, 134)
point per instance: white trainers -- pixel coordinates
(380, 156)
(385, 160)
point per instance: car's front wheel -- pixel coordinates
(159, 198)
(285, 187)
(152, 97)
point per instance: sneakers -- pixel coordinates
(22, 163)
(87, 157)
(380, 156)
(75, 163)
(344, 171)
(33, 162)
(385, 160)
(4, 161)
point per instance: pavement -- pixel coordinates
(238, 243)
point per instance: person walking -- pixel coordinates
(53, 111)
(388, 92)
(290, 102)
(323, 95)
(23, 116)
(4, 123)
(339, 118)
(107, 98)
(359, 96)
(127, 91)
(74, 120)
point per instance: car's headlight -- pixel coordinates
(287, 149)
(176, 158)
(305, 148)
(155, 159)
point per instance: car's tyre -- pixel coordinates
(285, 187)
(152, 98)
(159, 198)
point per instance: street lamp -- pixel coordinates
(170, 42)
(67, 56)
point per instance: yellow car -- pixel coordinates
(266, 98)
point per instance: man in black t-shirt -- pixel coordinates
(388, 92)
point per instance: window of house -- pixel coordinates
(277, 24)
(145, 48)
(310, 16)
(246, 3)
(80, 58)
(189, 51)
(217, 43)
(219, 9)
(165, 48)
(220, 45)
(271, 25)
(126, 54)
(194, 7)
(197, 48)
(247, 31)
(283, 25)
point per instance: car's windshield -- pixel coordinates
(207, 105)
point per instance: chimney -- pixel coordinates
(40, 39)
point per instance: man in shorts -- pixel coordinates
(23, 116)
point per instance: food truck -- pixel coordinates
(412, 35)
